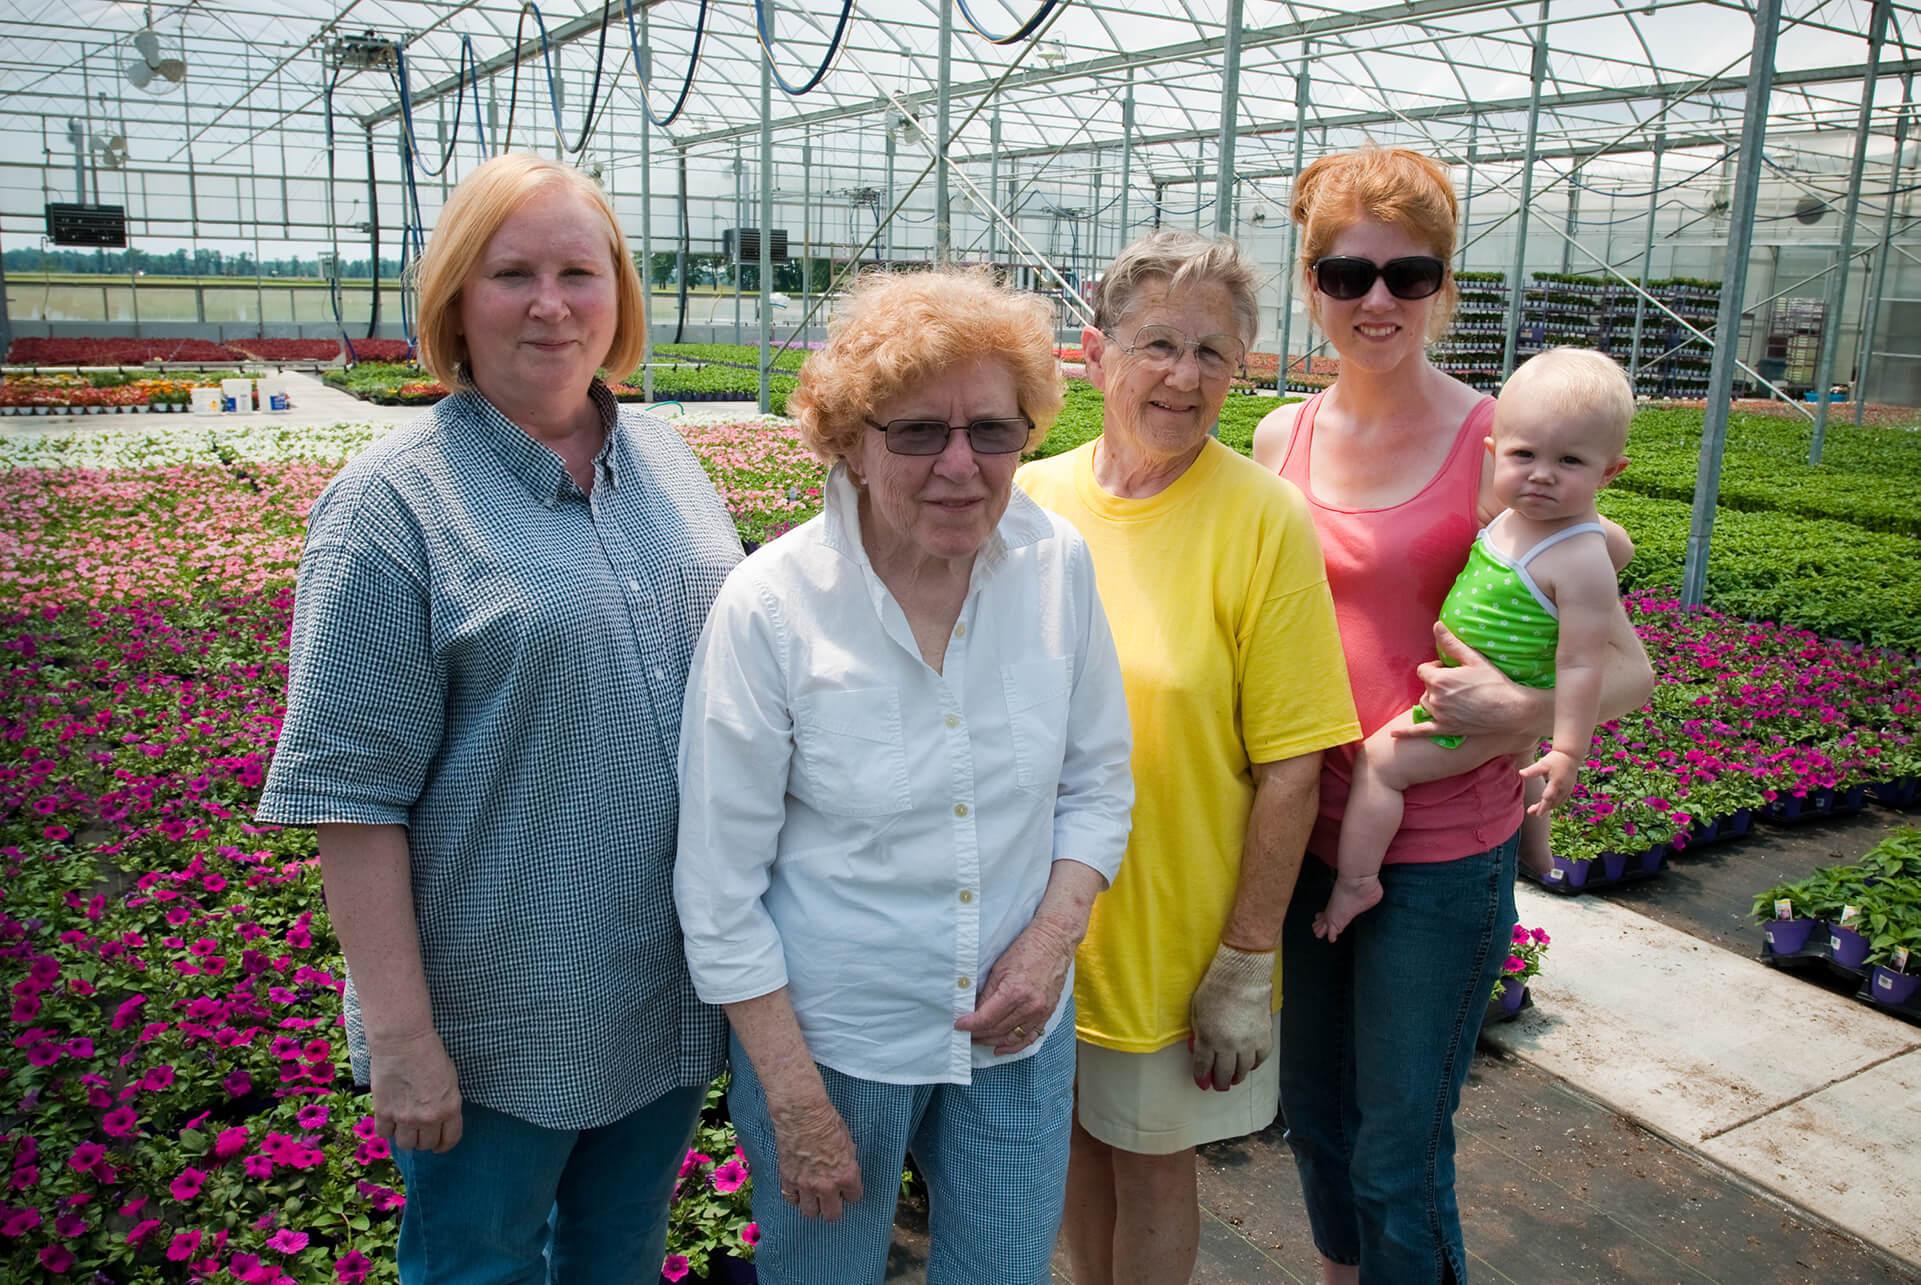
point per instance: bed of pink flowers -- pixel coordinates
(174, 1103)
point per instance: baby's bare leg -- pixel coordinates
(1384, 769)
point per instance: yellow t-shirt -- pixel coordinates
(1230, 656)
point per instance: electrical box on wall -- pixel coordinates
(742, 245)
(93, 225)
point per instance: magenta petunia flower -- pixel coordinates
(120, 1122)
(352, 1267)
(229, 1143)
(56, 1258)
(729, 1177)
(86, 1156)
(18, 1222)
(257, 1166)
(157, 1078)
(1515, 964)
(183, 1246)
(239, 1084)
(674, 1267)
(1540, 936)
(750, 1235)
(69, 1226)
(287, 1241)
(188, 1185)
(312, 1117)
(1520, 933)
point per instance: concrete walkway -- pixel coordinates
(1803, 1092)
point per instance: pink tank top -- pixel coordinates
(1389, 570)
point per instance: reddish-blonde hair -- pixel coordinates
(483, 201)
(1393, 185)
(897, 329)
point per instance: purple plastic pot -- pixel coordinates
(1705, 832)
(1571, 874)
(1895, 794)
(1613, 865)
(1889, 987)
(1513, 994)
(1849, 947)
(1849, 801)
(1649, 861)
(1737, 825)
(1789, 936)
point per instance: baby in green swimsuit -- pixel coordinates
(1538, 598)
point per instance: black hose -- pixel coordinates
(680, 207)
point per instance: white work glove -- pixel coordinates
(1232, 1014)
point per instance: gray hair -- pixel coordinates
(1179, 258)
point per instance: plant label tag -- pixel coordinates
(1556, 875)
(1834, 942)
(1900, 959)
(1849, 912)
(1783, 909)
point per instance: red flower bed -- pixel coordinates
(116, 352)
(381, 349)
(290, 349)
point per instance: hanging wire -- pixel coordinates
(643, 66)
(467, 81)
(1022, 32)
(764, 32)
(553, 79)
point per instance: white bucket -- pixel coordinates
(274, 394)
(205, 401)
(236, 395)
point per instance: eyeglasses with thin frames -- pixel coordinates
(999, 436)
(1162, 347)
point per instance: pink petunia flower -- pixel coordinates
(86, 1156)
(287, 1241)
(352, 1267)
(750, 1235)
(674, 1267)
(56, 1258)
(120, 1122)
(312, 1117)
(1515, 964)
(229, 1143)
(18, 1222)
(729, 1177)
(184, 1246)
(188, 1184)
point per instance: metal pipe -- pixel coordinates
(1747, 184)
(1467, 196)
(766, 219)
(1647, 254)
(806, 224)
(1838, 283)
(1879, 282)
(646, 70)
(1127, 162)
(1573, 220)
(1287, 256)
(740, 225)
(993, 183)
(943, 202)
(1517, 283)
(1230, 110)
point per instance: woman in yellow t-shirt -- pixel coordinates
(1212, 579)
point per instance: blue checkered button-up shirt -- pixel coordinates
(495, 660)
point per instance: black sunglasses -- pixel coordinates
(929, 436)
(1346, 276)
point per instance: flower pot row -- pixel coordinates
(162, 407)
(1583, 874)
(1788, 942)
(1793, 809)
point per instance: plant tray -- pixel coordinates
(1819, 952)
(1793, 809)
(1900, 794)
(1604, 871)
(1720, 829)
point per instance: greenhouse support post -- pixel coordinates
(1647, 252)
(646, 70)
(1517, 279)
(1838, 282)
(1287, 253)
(943, 200)
(1127, 160)
(1727, 332)
(766, 238)
(1230, 112)
(1886, 251)
(1467, 194)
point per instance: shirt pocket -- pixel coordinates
(853, 758)
(1036, 693)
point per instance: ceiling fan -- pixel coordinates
(150, 71)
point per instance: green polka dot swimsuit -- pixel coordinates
(1496, 608)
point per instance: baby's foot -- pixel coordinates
(1351, 896)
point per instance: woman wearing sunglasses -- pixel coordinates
(904, 779)
(1378, 1027)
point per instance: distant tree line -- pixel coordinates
(182, 263)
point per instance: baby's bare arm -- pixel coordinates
(1579, 577)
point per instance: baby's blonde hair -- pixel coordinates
(1580, 381)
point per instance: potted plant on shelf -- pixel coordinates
(1892, 925)
(711, 1231)
(1787, 927)
(1525, 951)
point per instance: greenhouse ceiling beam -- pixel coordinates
(1118, 63)
(1549, 102)
(566, 33)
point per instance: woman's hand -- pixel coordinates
(416, 1093)
(1473, 698)
(819, 1169)
(1023, 987)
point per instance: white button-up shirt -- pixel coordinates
(871, 834)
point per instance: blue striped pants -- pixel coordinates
(994, 1154)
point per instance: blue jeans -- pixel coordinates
(993, 1154)
(516, 1204)
(1377, 1032)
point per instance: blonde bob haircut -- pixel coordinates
(1575, 382)
(1178, 258)
(1393, 185)
(484, 200)
(896, 330)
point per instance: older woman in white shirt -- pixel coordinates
(904, 780)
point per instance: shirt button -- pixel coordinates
(960, 631)
(962, 983)
(658, 673)
(967, 896)
(960, 809)
(633, 586)
(953, 720)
